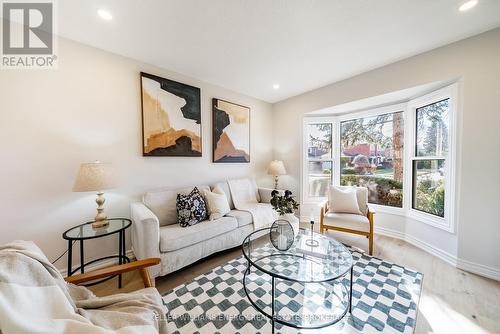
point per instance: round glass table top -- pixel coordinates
(302, 263)
(86, 231)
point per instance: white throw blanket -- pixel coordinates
(244, 194)
(34, 298)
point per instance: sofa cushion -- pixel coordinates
(256, 189)
(191, 208)
(173, 237)
(162, 202)
(225, 188)
(243, 217)
(217, 204)
(347, 220)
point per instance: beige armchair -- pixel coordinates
(33, 288)
(350, 223)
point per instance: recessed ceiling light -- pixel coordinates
(104, 14)
(468, 5)
(276, 86)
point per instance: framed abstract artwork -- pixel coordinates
(171, 118)
(231, 132)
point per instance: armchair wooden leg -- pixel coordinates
(370, 244)
(146, 279)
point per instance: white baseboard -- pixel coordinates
(98, 265)
(479, 269)
(439, 253)
(476, 268)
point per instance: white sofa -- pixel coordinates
(156, 233)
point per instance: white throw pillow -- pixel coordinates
(217, 203)
(344, 201)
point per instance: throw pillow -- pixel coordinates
(217, 203)
(344, 201)
(191, 208)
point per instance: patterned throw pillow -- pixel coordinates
(191, 208)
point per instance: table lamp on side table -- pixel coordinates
(95, 176)
(276, 168)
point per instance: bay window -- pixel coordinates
(403, 154)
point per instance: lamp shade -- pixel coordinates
(94, 176)
(276, 167)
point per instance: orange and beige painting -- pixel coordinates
(171, 117)
(231, 132)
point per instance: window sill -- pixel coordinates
(387, 209)
(421, 217)
(431, 220)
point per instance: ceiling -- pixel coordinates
(388, 99)
(249, 45)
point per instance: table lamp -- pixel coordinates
(276, 168)
(95, 176)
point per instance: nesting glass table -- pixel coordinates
(303, 287)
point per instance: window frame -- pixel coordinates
(447, 222)
(305, 159)
(399, 107)
(408, 108)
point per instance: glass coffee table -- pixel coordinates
(303, 287)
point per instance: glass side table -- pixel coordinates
(85, 232)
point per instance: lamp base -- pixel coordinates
(100, 220)
(100, 224)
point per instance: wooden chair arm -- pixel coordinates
(141, 265)
(324, 210)
(324, 206)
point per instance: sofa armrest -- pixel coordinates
(265, 194)
(145, 234)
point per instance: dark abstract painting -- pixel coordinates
(231, 132)
(171, 118)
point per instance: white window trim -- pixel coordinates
(305, 199)
(400, 107)
(448, 222)
(409, 115)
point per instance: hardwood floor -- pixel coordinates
(452, 300)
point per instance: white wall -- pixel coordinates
(476, 63)
(88, 109)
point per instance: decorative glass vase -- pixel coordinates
(281, 235)
(294, 222)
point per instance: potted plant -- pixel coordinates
(285, 205)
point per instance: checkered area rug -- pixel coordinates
(385, 298)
